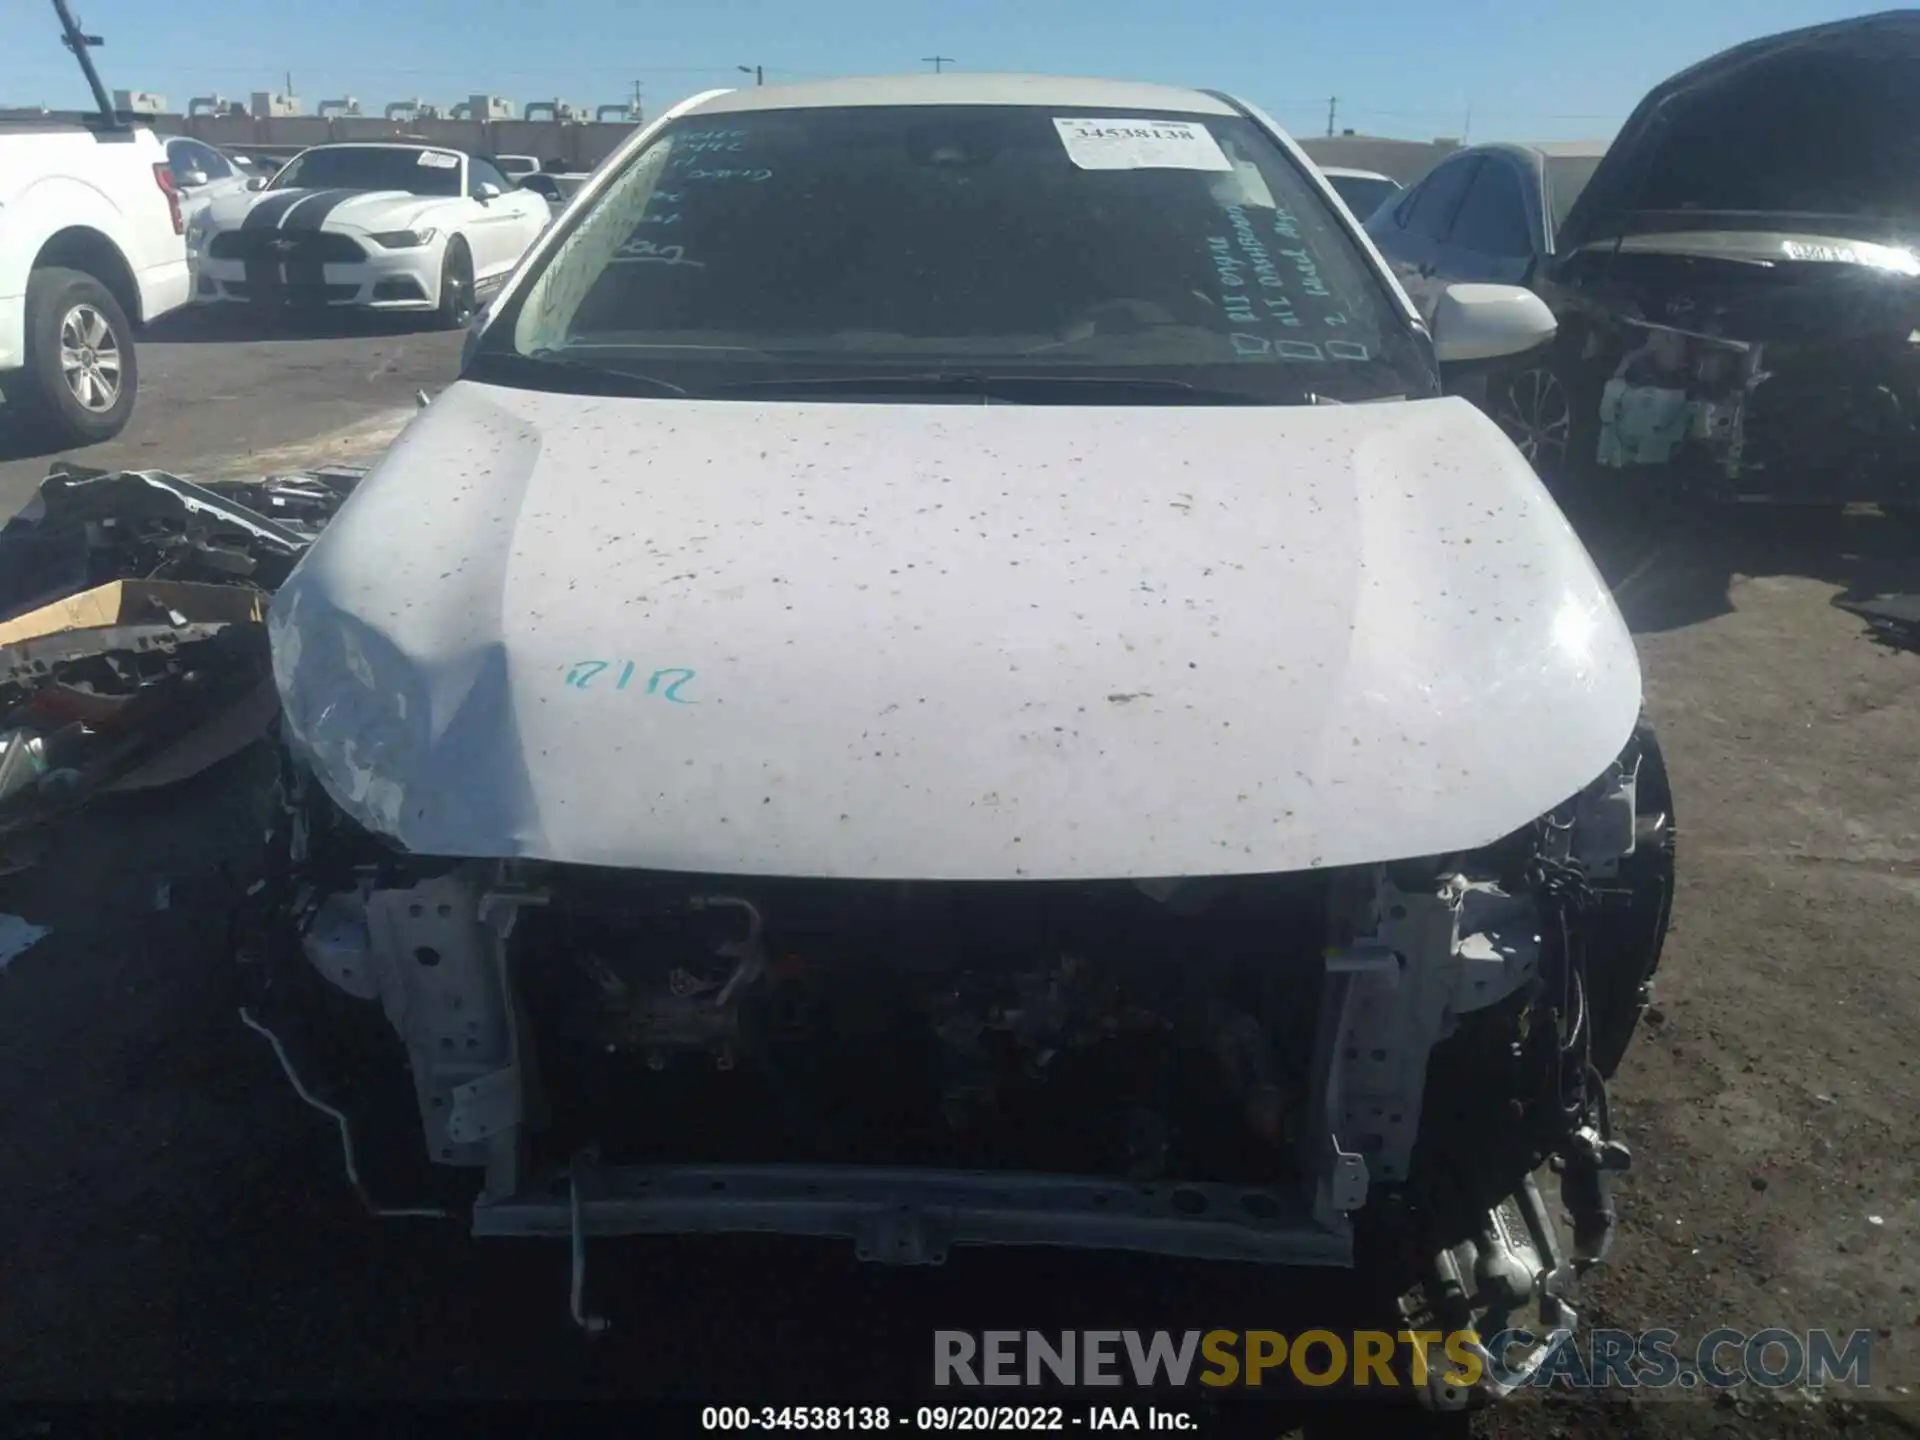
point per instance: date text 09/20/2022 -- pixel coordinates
(922, 1419)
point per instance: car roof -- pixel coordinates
(1571, 149)
(1341, 172)
(385, 145)
(966, 88)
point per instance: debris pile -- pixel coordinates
(133, 651)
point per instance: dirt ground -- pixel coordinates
(175, 1224)
(1772, 1098)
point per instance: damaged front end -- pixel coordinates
(1283, 1069)
(1756, 366)
(1739, 283)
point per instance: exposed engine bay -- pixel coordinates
(1230, 1068)
(1761, 379)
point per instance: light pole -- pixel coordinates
(759, 75)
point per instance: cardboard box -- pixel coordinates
(139, 602)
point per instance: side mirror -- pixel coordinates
(190, 179)
(486, 191)
(1489, 322)
(258, 182)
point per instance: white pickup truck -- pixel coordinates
(92, 247)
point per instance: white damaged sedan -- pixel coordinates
(947, 675)
(367, 226)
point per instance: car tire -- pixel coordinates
(457, 304)
(1534, 405)
(80, 377)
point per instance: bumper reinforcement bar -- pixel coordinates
(914, 1216)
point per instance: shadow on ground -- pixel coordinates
(1674, 564)
(231, 324)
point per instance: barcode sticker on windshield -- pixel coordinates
(439, 160)
(1141, 145)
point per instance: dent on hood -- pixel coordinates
(384, 713)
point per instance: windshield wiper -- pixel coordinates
(550, 370)
(1017, 389)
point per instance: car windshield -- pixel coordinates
(373, 167)
(805, 245)
(1567, 176)
(1364, 194)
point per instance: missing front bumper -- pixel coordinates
(1510, 1286)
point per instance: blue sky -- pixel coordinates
(1525, 69)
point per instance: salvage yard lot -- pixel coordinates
(178, 1226)
(216, 398)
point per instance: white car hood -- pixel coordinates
(367, 210)
(949, 641)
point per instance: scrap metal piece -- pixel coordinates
(85, 526)
(137, 603)
(30, 663)
(23, 760)
(302, 502)
(227, 732)
(116, 671)
(17, 936)
(159, 522)
(148, 691)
